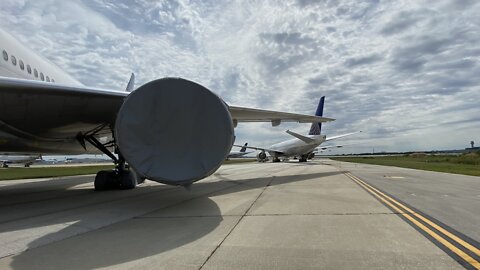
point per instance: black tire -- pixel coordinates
(127, 180)
(103, 180)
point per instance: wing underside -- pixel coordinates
(41, 117)
(242, 114)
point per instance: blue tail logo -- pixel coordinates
(316, 128)
(244, 148)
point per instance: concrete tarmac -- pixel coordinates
(451, 199)
(245, 216)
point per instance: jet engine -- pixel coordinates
(174, 131)
(261, 156)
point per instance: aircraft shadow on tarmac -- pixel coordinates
(142, 236)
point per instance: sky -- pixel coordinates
(406, 73)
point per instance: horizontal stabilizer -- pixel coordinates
(300, 137)
(341, 136)
(259, 148)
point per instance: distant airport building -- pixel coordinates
(472, 149)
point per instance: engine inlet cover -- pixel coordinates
(174, 131)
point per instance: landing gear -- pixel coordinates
(302, 158)
(4, 165)
(275, 159)
(122, 177)
(106, 180)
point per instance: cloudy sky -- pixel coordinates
(406, 73)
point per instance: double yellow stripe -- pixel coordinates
(410, 214)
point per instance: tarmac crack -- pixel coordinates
(238, 222)
(268, 215)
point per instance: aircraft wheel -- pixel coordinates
(276, 160)
(104, 180)
(4, 165)
(127, 180)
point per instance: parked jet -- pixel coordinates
(301, 146)
(241, 153)
(169, 130)
(26, 160)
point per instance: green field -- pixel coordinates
(40, 172)
(54, 171)
(468, 164)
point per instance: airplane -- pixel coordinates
(170, 130)
(27, 160)
(301, 146)
(241, 153)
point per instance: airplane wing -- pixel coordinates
(242, 114)
(55, 113)
(329, 146)
(300, 137)
(341, 136)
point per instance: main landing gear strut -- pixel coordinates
(122, 177)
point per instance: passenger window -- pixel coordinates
(5, 55)
(29, 69)
(14, 60)
(48, 79)
(42, 77)
(22, 66)
(35, 73)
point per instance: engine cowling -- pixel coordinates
(262, 156)
(174, 131)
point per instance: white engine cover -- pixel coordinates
(174, 131)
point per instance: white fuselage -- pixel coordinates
(296, 147)
(18, 61)
(18, 158)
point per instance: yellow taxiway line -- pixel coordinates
(414, 218)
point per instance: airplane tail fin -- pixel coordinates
(244, 148)
(131, 83)
(316, 128)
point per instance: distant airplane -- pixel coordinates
(171, 130)
(26, 160)
(241, 153)
(302, 146)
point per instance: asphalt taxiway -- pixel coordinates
(313, 215)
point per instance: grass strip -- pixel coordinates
(468, 164)
(41, 172)
(12, 173)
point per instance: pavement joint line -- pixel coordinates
(266, 215)
(410, 216)
(320, 214)
(124, 198)
(78, 207)
(236, 224)
(429, 222)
